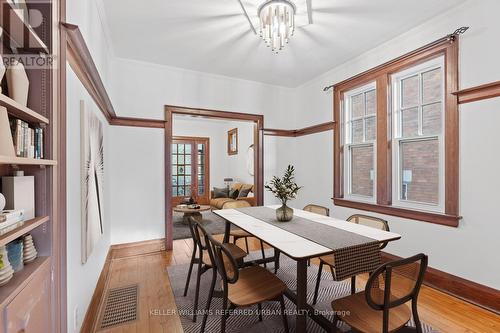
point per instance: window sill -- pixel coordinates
(436, 218)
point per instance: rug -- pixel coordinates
(248, 321)
(213, 223)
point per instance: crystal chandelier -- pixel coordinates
(277, 23)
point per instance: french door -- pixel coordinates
(190, 169)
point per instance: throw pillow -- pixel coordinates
(233, 193)
(244, 192)
(221, 192)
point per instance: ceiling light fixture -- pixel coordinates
(277, 23)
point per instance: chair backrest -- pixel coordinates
(224, 261)
(370, 221)
(395, 283)
(317, 209)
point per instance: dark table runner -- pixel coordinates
(354, 254)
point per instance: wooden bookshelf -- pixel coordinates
(19, 31)
(21, 279)
(22, 112)
(14, 160)
(24, 229)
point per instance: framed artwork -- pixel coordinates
(232, 141)
(92, 168)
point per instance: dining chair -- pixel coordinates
(242, 287)
(317, 209)
(201, 257)
(329, 260)
(238, 233)
(382, 306)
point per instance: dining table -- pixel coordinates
(355, 247)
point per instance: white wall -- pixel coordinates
(142, 90)
(464, 251)
(82, 279)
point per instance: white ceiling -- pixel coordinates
(214, 36)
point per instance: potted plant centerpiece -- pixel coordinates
(284, 189)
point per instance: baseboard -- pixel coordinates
(137, 248)
(92, 314)
(472, 292)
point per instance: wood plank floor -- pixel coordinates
(445, 313)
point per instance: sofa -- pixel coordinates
(220, 203)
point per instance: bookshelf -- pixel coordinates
(39, 282)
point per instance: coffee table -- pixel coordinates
(191, 212)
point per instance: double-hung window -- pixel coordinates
(418, 141)
(360, 115)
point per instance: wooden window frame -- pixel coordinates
(446, 47)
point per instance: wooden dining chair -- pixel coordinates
(317, 209)
(242, 287)
(329, 260)
(383, 305)
(201, 257)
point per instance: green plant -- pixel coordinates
(284, 188)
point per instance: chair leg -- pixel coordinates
(308, 262)
(197, 293)
(416, 318)
(193, 257)
(334, 324)
(209, 300)
(224, 315)
(333, 272)
(353, 285)
(263, 253)
(246, 244)
(318, 280)
(283, 313)
(259, 310)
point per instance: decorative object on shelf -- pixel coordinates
(277, 23)
(250, 160)
(232, 141)
(6, 142)
(19, 192)
(18, 83)
(10, 220)
(284, 189)
(28, 141)
(15, 254)
(29, 251)
(6, 271)
(92, 180)
(2, 202)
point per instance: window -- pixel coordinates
(396, 137)
(360, 135)
(418, 141)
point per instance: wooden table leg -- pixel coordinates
(227, 232)
(301, 316)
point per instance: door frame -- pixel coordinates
(257, 119)
(196, 140)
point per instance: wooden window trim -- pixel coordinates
(448, 48)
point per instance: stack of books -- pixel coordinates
(11, 219)
(28, 141)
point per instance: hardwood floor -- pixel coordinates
(445, 313)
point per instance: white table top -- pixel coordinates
(293, 245)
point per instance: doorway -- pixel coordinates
(190, 158)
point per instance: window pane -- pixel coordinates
(174, 191)
(357, 131)
(371, 128)
(180, 159)
(187, 149)
(357, 106)
(371, 102)
(180, 149)
(188, 180)
(409, 123)
(180, 191)
(420, 171)
(362, 171)
(181, 170)
(432, 83)
(174, 180)
(187, 160)
(174, 169)
(181, 180)
(201, 148)
(431, 122)
(201, 190)
(188, 169)
(187, 191)
(409, 91)
(174, 159)
(174, 148)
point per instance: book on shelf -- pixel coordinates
(11, 219)
(28, 141)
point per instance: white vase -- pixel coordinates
(18, 83)
(2, 202)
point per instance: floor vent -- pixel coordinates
(120, 306)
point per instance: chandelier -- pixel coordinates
(277, 23)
